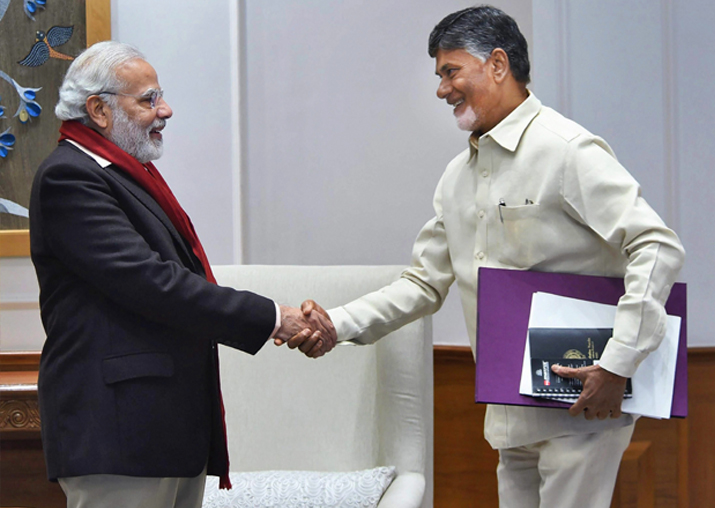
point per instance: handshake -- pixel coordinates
(308, 329)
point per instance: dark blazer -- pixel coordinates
(128, 376)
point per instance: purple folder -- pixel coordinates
(504, 298)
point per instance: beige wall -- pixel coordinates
(342, 171)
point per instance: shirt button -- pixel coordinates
(485, 173)
(482, 214)
(480, 255)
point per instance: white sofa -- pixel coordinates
(355, 409)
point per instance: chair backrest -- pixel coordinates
(357, 407)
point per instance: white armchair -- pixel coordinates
(356, 409)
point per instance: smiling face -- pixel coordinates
(135, 126)
(467, 83)
(139, 142)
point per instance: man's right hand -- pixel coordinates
(313, 335)
(315, 313)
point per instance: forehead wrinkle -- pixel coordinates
(135, 73)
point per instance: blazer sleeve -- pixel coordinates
(86, 229)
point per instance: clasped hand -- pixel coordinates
(309, 329)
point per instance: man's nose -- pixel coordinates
(163, 110)
(443, 90)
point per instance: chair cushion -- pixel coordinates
(300, 489)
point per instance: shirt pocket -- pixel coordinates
(137, 365)
(522, 238)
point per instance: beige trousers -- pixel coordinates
(576, 471)
(114, 491)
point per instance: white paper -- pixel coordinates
(655, 377)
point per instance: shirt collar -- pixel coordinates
(103, 163)
(508, 132)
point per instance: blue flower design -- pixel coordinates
(7, 141)
(30, 7)
(29, 107)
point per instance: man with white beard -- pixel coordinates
(129, 391)
(532, 191)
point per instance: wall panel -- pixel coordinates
(636, 73)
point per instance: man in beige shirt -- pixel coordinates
(533, 191)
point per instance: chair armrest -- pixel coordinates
(405, 491)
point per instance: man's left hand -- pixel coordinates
(602, 393)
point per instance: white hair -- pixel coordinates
(92, 72)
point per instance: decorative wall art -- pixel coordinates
(38, 41)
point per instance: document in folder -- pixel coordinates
(504, 305)
(652, 383)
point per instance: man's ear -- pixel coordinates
(499, 62)
(99, 112)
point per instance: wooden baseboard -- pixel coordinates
(635, 487)
(683, 450)
(464, 464)
(701, 414)
(19, 360)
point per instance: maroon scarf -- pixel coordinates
(148, 177)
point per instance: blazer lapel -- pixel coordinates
(149, 202)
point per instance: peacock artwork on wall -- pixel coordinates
(38, 41)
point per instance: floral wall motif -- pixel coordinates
(38, 40)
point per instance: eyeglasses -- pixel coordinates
(152, 96)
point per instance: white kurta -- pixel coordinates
(567, 205)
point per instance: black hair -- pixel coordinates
(480, 30)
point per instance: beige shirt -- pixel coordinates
(567, 206)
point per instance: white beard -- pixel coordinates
(468, 119)
(134, 140)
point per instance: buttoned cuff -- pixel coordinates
(621, 359)
(344, 324)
